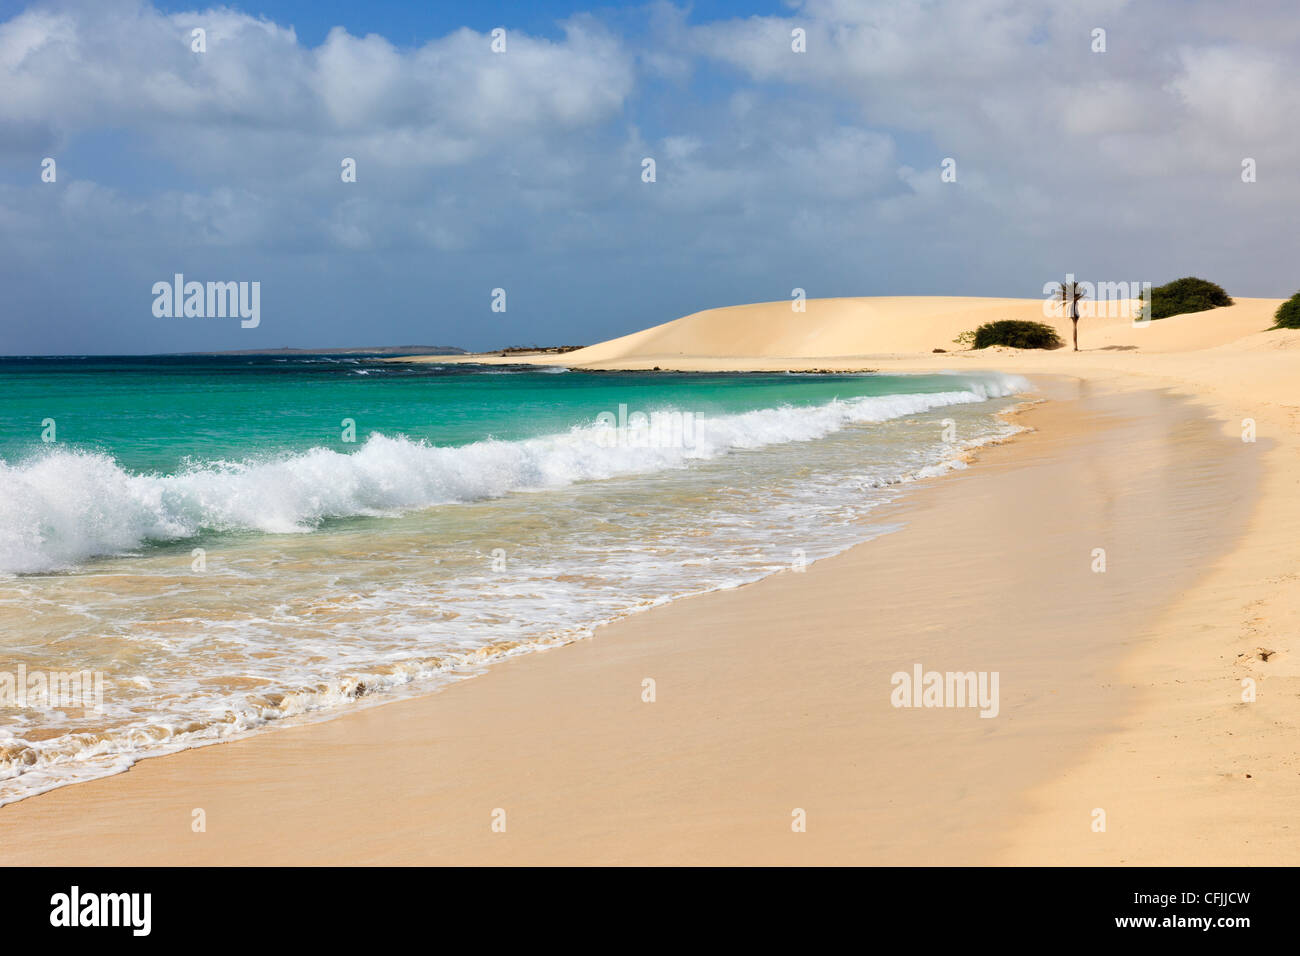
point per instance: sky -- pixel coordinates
(523, 170)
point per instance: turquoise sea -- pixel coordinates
(232, 541)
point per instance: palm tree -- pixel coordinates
(1069, 295)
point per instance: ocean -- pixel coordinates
(228, 542)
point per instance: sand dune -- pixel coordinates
(832, 331)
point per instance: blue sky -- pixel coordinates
(521, 170)
(412, 22)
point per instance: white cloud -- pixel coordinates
(132, 65)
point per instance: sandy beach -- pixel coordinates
(1121, 690)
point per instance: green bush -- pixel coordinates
(1186, 295)
(1017, 334)
(1288, 313)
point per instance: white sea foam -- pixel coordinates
(64, 507)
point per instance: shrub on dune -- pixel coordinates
(1288, 313)
(1189, 294)
(1017, 334)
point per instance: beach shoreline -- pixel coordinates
(863, 435)
(512, 740)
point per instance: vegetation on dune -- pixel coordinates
(1017, 334)
(1188, 294)
(1288, 313)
